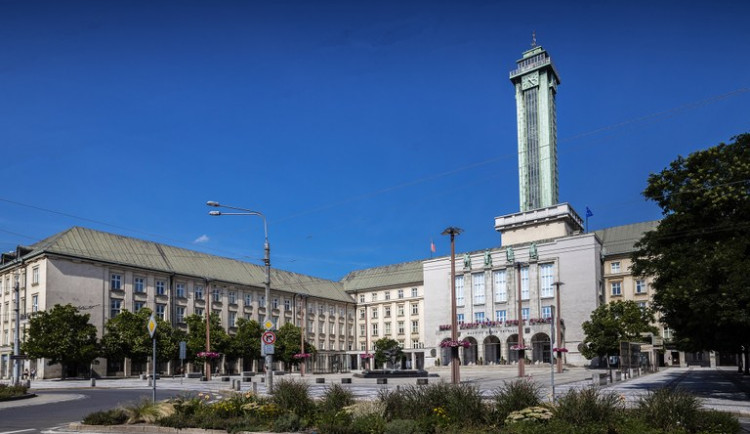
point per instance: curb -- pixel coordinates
(139, 428)
(18, 398)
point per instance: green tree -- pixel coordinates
(196, 335)
(387, 350)
(613, 323)
(246, 343)
(700, 252)
(62, 335)
(288, 344)
(126, 335)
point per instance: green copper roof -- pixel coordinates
(403, 274)
(621, 239)
(83, 243)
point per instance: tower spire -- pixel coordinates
(533, 39)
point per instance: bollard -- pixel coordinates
(382, 381)
(93, 382)
(320, 380)
(346, 381)
(238, 385)
(421, 381)
(255, 388)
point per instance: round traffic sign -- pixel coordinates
(268, 338)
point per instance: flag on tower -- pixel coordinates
(432, 246)
(589, 213)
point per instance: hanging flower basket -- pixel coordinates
(560, 350)
(454, 344)
(302, 355)
(367, 356)
(519, 348)
(208, 355)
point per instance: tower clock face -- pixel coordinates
(529, 81)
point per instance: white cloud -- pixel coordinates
(201, 239)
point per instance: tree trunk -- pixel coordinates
(747, 360)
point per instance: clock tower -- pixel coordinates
(536, 80)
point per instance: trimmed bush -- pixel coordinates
(7, 391)
(444, 403)
(336, 398)
(670, 410)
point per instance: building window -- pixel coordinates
(477, 282)
(615, 267)
(138, 285)
(115, 282)
(160, 310)
(361, 329)
(275, 303)
(138, 305)
(387, 328)
(179, 312)
(525, 313)
(546, 311)
(248, 298)
(400, 310)
(362, 313)
(546, 280)
(216, 295)
(643, 305)
(459, 290)
(501, 286)
(160, 287)
(478, 316)
(115, 306)
(415, 308)
(387, 313)
(232, 319)
(361, 298)
(287, 305)
(640, 287)
(415, 326)
(374, 312)
(501, 315)
(180, 290)
(199, 311)
(374, 327)
(374, 296)
(35, 276)
(460, 318)
(198, 292)
(524, 283)
(232, 295)
(401, 327)
(400, 293)
(616, 288)
(262, 301)
(414, 292)
(388, 295)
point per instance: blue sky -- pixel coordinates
(361, 129)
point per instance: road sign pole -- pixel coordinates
(153, 393)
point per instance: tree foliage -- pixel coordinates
(61, 335)
(387, 350)
(246, 343)
(126, 335)
(196, 335)
(613, 323)
(700, 253)
(288, 344)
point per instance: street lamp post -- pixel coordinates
(455, 372)
(558, 326)
(266, 262)
(521, 346)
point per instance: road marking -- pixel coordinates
(20, 430)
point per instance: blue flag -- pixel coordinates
(589, 213)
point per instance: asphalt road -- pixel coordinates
(37, 418)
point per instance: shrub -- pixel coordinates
(402, 426)
(670, 410)
(529, 414)
(513, 396)
(147, 411)
(372, 423)
(588, 405)
(460, 403)
(293, 396)
(114, 416)
(717, 422)
(336, 398)
(7, 391)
